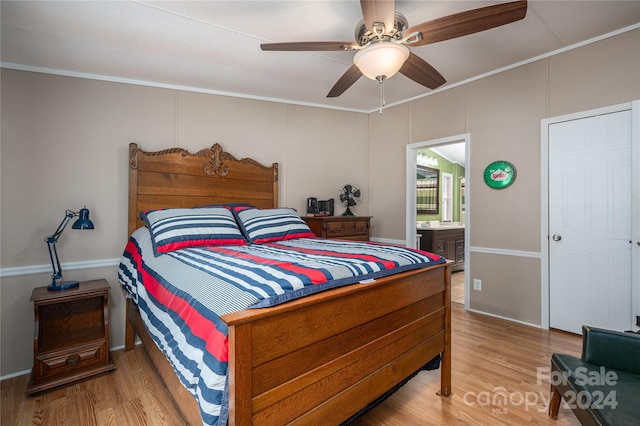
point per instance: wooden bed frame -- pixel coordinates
(314, 360)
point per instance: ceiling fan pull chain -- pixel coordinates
(381, 80)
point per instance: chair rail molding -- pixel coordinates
(39, 269)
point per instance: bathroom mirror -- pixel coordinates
(427, 190)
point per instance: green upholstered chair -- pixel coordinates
(603, 386)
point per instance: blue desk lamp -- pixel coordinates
(83, 222)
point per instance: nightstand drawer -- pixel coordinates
(67, 361)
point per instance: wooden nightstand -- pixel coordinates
(340, 227)
(71, 335)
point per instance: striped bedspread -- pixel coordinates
(182, 294)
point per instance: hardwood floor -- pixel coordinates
(494, 374)
(494, 382)
(457, 287)
(130, 395)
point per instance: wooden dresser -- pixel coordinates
(340, 227)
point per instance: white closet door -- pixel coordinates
(590, 192)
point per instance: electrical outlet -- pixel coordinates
(477, 284)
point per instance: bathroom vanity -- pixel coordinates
(446, 241)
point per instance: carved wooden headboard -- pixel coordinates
(174, 178)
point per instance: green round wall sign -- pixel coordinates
(499, 174)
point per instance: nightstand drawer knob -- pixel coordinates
(73, 360)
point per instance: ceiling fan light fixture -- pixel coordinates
(381, 59)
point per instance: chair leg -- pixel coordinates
(554, 403)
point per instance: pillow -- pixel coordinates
(235, 208)
(263, 226)
(174, 229)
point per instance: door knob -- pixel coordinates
(557, 237)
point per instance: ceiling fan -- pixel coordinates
(383, 37)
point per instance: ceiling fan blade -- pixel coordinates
(381, 11)
(418, 70)
(310, 46)
(465, 23)
(348, 78)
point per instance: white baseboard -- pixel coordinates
(504, 318)
(388, 241)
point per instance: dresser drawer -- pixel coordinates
(336, 229)
(361, 227)
(74, 359)
(340, 227)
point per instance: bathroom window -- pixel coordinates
(447, 197)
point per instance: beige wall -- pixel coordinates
(64, 144)
(389, 133)
(502, 113)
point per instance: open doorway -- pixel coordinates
(440, 225)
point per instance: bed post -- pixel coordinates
(129, 333)
(275, 185)
(445, 372)
(133, 185)
(240, 374)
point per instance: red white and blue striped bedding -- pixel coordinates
(182, 294)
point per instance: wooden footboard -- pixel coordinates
(324, 357)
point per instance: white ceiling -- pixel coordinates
(454, 152)
(214, 46)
